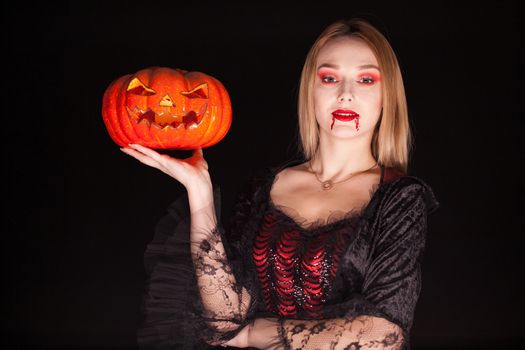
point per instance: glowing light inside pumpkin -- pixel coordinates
(200, 91)
(166, 101)
(138, 88)
(166, 119)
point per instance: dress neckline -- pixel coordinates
(312, 227)
(332, 221)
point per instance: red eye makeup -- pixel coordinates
(328, 76)
(369, 78)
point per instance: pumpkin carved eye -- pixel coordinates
(137, 87)
(200, 91)
(166, 101)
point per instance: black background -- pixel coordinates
(80, 212)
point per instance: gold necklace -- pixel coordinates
(328, 184)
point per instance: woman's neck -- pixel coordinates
(335, 159)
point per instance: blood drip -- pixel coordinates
(356, 123)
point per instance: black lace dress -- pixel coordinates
(323, 281)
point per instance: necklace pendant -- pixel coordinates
(326, 185)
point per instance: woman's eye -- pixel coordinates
(366, 80)
(328, 79)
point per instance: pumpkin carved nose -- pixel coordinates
(166, 101)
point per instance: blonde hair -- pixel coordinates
(392, 139)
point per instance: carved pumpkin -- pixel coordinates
(164, 108)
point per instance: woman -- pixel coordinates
(323, 252)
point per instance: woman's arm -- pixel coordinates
(223, 301)
(363, 332)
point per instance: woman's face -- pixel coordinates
(347, 92)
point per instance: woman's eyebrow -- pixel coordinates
(328, 65)
(364, 66)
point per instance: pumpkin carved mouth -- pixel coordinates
(166, 119)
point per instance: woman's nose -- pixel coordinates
(345, 94)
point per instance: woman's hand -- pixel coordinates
(262, 333)
(241, 339)
(191, 172)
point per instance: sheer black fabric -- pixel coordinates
(371, 299)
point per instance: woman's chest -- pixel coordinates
(299, 197)
(297, 267)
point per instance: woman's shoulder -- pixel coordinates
(401, 186)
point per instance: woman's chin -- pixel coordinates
(344, 131)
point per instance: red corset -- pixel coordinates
(296, 266)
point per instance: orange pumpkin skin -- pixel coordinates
(164, 108)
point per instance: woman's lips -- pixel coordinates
(345, 115)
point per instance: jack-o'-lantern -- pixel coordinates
(164, 108)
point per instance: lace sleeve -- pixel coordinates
(381, 315)
(198, 293)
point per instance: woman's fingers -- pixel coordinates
(198, 157)
(186, 171)
(198, 153)
(161, 159)
(168, 165)
(142, 158)
(147, 151)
